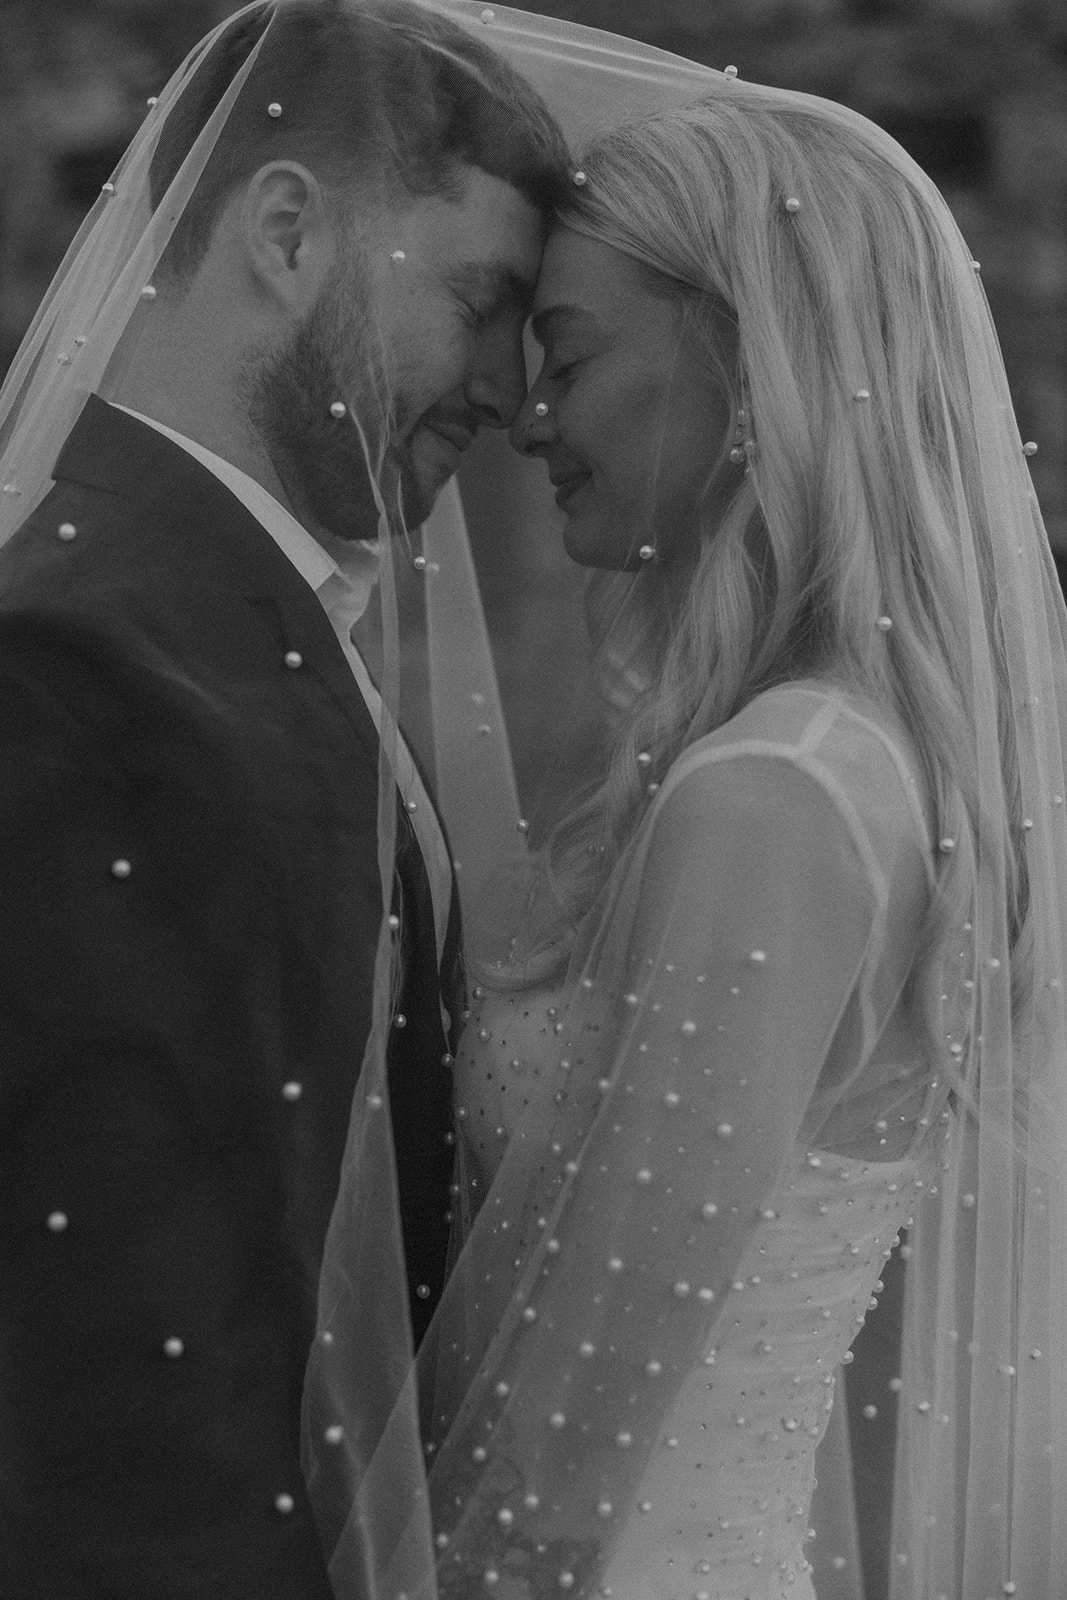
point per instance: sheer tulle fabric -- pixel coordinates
(732, 1018)
(979, 1481)
(97, 297)
(759, 844)
(84, 334)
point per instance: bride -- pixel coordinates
(779, 987)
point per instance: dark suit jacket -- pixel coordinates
(158, 1180)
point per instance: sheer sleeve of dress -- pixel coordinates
(696, 1057)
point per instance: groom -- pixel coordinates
(189, 885)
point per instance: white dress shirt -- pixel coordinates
(343, 587)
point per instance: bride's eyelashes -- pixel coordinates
(560, 372)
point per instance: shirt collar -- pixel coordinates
(341, 572)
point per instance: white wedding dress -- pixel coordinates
(830, 1140)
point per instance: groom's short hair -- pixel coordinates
(373, 90)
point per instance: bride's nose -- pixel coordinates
(533, 429)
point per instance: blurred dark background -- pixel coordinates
(976, 90)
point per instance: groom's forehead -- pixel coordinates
(490, 233)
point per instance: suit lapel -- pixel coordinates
(304, 627)
(208, 526)
(110, 450)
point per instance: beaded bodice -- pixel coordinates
(723, 1511)
(725, 1508)
(690, 1162)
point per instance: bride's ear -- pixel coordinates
(285, 235)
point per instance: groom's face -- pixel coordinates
(452, 317)
(429, 313)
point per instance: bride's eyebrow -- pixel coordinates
(544, 323)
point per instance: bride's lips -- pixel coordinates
(567, 488)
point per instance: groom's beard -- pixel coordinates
(322, 460)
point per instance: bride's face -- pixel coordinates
(636, 418)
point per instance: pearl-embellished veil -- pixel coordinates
(450, 1475)
(979, 1483)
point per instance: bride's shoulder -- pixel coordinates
(786, 716)
(804, 719)
(816, 738)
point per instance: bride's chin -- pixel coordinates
(587, 550)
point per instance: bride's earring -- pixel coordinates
(737, 454)
(743, 452)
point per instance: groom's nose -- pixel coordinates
(497, 386)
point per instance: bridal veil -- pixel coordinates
(407, 1506)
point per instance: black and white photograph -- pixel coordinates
(533, 800)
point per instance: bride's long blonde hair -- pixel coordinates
(838, 552)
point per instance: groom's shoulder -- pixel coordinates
(80, 543)
(103, 600)
(132, 528)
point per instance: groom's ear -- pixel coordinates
(285, 235)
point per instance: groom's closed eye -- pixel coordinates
(489, 290)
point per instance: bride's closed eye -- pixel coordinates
(560, 361)
(556, 372)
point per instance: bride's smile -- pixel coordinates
(636, 412)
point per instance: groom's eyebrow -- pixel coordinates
(495, 280)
